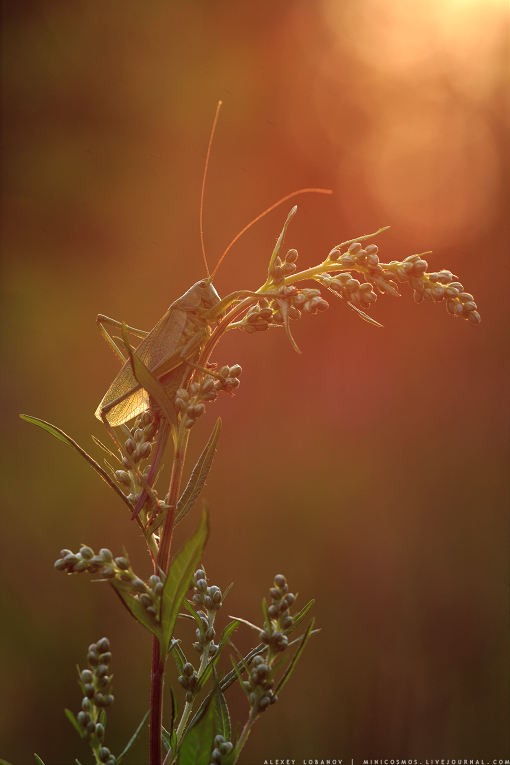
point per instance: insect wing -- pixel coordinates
(159, 344)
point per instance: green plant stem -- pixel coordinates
(244, 735)
(184, 719)
(172, 498)
(162, 562)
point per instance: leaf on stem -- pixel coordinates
(147, 380)
(231, 677)
(178, 579)
(223, 727)
(225, 637)
(239, 676)
(284, 308)
(298, 618)
(170, 737)
(363, 315)
(178, 654)
(198, 741)
(279, 242)
(295, 658)
(134, 607)
(74, 722)
(198, 476)
(57, 433)
(361, 238)
(133, 738)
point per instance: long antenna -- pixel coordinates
(203, 186)
(284, 199)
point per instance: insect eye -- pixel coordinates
(201, 284)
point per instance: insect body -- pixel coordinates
(177, 338)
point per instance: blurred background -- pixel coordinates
(372, 469)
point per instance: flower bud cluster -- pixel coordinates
(258, 317)
(306, 300)
(350, 289)
(436, 286)
(114, 569)
(279, 614)
(209, 600)
(189, 681)
(138, 447)
(309, 301)
(95, 683)
(282, 269)
(259, 686)
(190, 402)
(221, 749)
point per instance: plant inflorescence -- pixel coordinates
(169, 391)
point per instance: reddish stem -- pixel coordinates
(158, 661)
(156, 716)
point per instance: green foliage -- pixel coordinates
(69, 441)
(178, 386)
(133, 738)
(198, 476)
(197, 744)
(178, 579)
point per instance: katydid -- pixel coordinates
(177, 338)
(171, 350)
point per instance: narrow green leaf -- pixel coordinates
(178, 579)
(225, 592)
(267, 618)
(231, 677)
(38, 759)
(295, 658)
(147, 380)
(69, 441)
(225, 637)
(284, 308)
(74, 722)
(298, 618)
(194, 614)
(279, 242)
(166, 738)
(198, 476)
(198, 741)
(179, 657)
(363, 315)
(296, 640)
(133, 738)
(384, 286)
(360, 238)
(226, 634)
(245, 621)
(135, 608)
(4, 762)
(223, 727)
(239, 676)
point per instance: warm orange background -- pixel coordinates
(371, 470)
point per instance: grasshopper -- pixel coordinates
(171, 350)
(177, 339)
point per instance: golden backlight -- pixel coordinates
(428, 156)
